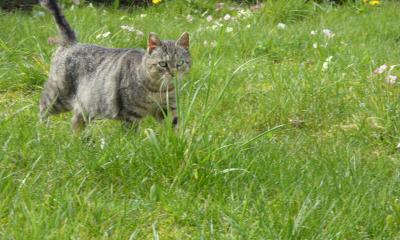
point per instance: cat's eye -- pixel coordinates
(162, 64)
(180, 63)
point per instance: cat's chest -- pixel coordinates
(159, 99)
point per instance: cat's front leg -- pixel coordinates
(174, 118)
(131, 124)
(161, 114)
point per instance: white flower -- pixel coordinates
(103, 35)
(102, 143)
(328, 33)
(213, 44)
(128, 28)
(315, 45)
(227, 17)
(139, 33)
(38, 14)
(248, 26)
(209, 18)
(326, 64)
(313, 32)
(143, 15)
(216, 25)
(281, 26)
(393, 67)
(229, 29)
(391, 79)
(189, 18)
(244, 13)
(381, 69)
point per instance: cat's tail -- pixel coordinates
(67, 34)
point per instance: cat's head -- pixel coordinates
(166, 60)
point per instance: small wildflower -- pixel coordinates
(391, 79)
(38, 14)
(102, 143)
(156, 1)
(209, 18)
(205, 43)
(248, 26)
(281, 26)
(244, 13)
(325, 66)
(216, 25)
(91, 5)
(139, 33)
(313, 32)
(128, 28)
(327, 62)
(143, 15)
(229, 29)
(189, 18)
(297, 122)
(381, 69)
(372, 2)
(213, 44)
(328, 33)
(103, 35)
(393, 67)
(315, 45)
(227, 17)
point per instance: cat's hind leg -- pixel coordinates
(78, 122)
(51, 102)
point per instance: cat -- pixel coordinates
(110, 83)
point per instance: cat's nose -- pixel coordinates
(173, 71)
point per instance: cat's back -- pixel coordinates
(88, 57)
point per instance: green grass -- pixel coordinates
(239, 168)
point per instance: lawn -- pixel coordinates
(286, 131)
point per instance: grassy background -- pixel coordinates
(240, 167)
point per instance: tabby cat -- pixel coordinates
(126, 84)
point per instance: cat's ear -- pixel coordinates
(152, 42)
(183, 40)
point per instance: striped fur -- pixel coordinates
(66, 32)
(126, 84)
